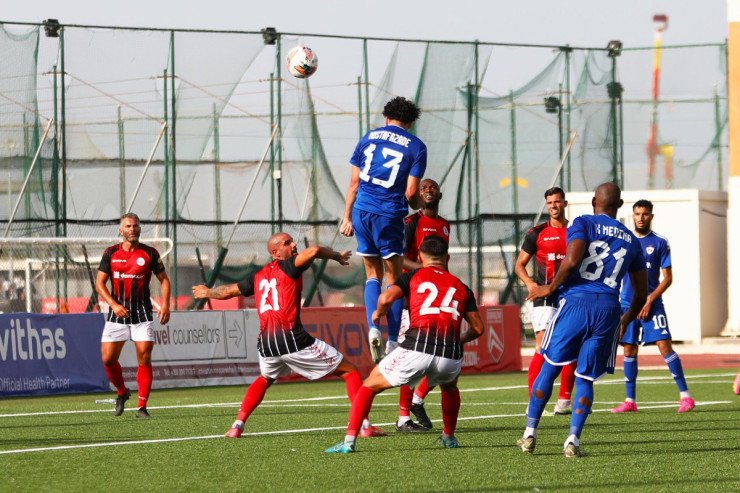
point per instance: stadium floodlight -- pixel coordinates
(51, 28)
(614, 47)
(552, 104)
(269, 35)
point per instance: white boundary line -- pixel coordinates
(653, 405)
(301, 402)
(305, 430)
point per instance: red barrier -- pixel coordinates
(497, 350)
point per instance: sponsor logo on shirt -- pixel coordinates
(118, 260)
(551, 238)
(119, 275)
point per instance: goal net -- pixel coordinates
(57, 275)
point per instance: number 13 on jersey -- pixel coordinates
(392, 160)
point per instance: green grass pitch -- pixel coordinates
(69, 443)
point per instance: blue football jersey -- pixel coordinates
(657, 253)
(612, 251)
(386, 157)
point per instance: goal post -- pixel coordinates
(55, 275)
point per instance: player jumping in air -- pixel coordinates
(387, 165)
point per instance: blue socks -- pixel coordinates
(674, 365)
(585, 392)
(630, 376)
(543, 383)
(372, 292)
(394, 319)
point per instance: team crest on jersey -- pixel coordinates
(650, 250)
(495, 333)
(140, 261)
(446, 231)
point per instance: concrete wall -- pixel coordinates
(695, 223)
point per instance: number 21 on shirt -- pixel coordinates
(269, 300)
(393, 161)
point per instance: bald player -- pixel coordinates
(589, 322)
(283, 344)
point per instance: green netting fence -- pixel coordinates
(173, 124)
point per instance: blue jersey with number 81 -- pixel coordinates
(612, 251)
(386, 157)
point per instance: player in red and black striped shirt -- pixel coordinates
(283, 344)
(419, 225)
(130, 265)
(546, 243)
(433, 347)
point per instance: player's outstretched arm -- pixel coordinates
(475, 327)
(313, 252)
(223, 292)
(385, 301)
(573, 256)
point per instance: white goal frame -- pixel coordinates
(4, 242)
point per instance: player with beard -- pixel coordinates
(130, 266)
(419, 225)
(283, 343)
(651, 324)
(546, 243)
(601, 251)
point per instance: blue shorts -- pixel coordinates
(642, 332)
(377, 235)
(585, 329)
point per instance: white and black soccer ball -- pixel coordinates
(302, 62)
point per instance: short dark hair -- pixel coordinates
(434, 246)
(130, 215)
(554, 191)
(402, 110)
(645, 204)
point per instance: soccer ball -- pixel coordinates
(302, 62)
